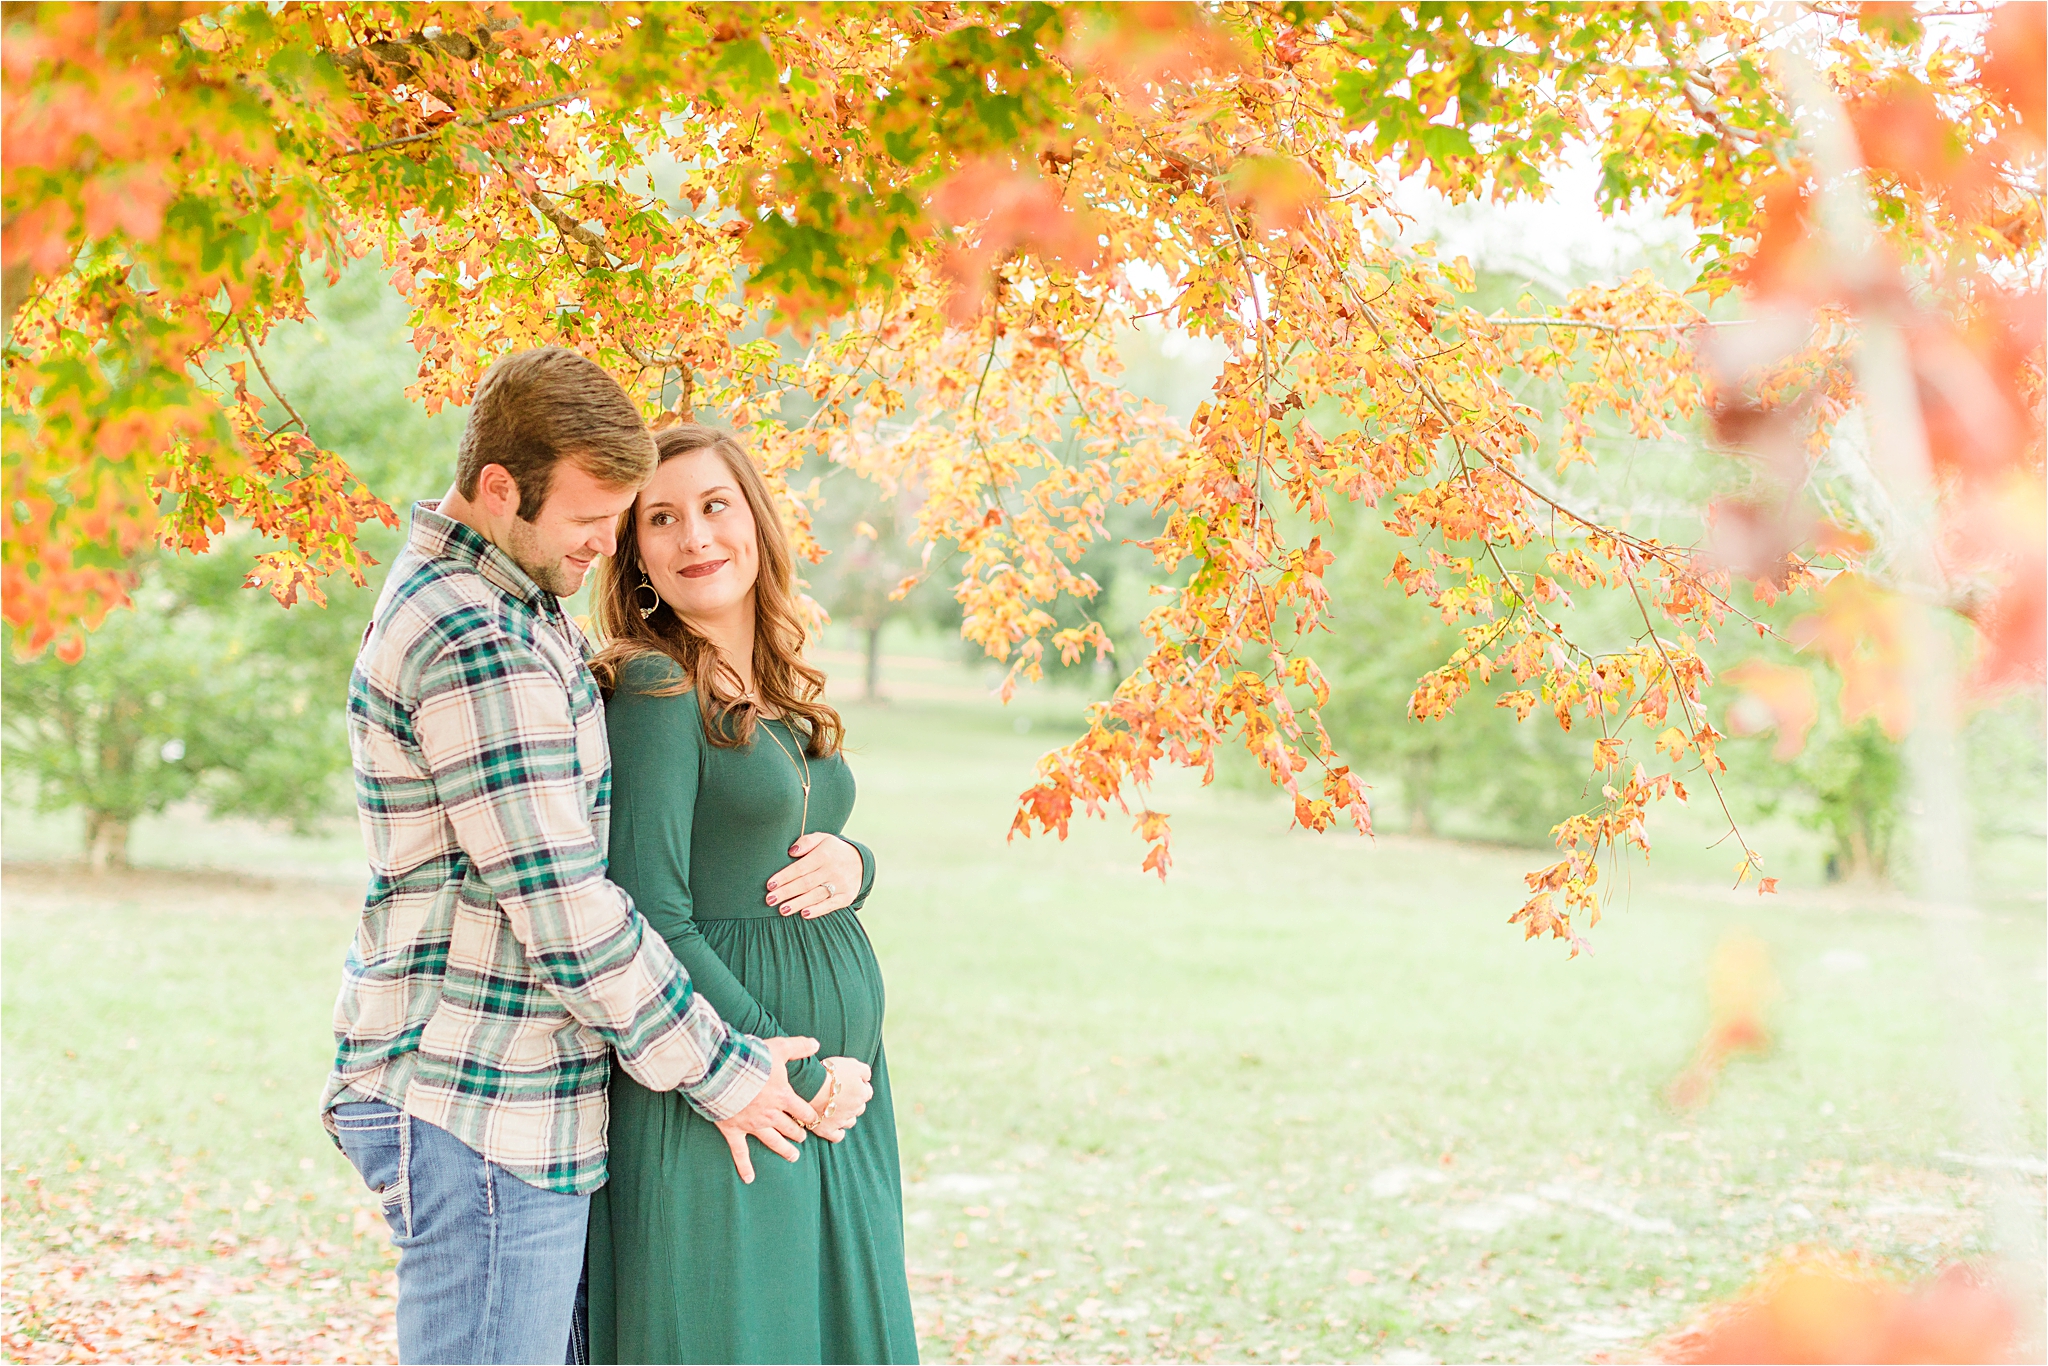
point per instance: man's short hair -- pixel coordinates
(535, 409)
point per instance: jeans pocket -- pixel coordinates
(377, 1140)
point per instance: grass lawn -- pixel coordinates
(1312, 1099)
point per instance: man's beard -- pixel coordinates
(524, 548)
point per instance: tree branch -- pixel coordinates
(1597, 326)
(568, 226)
(477, 121)
(1702, 109)
(403, 54)
(1751, 860)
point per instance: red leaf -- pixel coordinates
(2016, 54)
(1901, 130)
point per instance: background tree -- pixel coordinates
(202, 691)
(876, 575)
(1840, 776)
(1493, 773)
(1854, 775)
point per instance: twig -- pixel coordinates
(995, 487)
(1664, 554)
(846, 381)
(1167, 308)
(1749, 855)
(648, 361)
(268, 383)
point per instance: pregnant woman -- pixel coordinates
(725, 766)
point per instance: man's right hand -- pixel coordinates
(777, 1116)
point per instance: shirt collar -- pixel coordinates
(435, 536)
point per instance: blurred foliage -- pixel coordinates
(1847, 778)
(2006, 749)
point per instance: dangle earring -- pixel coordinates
(646, 586)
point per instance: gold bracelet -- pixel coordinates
(831, 1099)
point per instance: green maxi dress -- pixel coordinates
(686, 1263)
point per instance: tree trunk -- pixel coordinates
(1863, 863)
(106, 841)
(874, 672)
(1416, 787)
(106, 833)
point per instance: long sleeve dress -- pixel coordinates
(687, 1263)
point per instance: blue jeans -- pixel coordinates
(487, 1264)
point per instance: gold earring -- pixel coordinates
(646, 585)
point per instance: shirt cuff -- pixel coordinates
(733, 1083)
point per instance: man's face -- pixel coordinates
(578, 522)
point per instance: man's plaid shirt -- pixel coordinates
(495, 964)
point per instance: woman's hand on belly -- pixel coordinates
(851, 1075)
(824, 876)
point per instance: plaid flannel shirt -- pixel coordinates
(495, 967)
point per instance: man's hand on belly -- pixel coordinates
(778, 1116)
(824, 877)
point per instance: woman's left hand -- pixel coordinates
(824, 877)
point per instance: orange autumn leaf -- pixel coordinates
(1786, 694)
(1821, 1305)
(1859, 627)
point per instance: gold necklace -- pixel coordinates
(802, 763)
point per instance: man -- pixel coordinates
(495, 968)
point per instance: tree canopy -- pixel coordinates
(905, 238)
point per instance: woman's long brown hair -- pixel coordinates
(785, 685)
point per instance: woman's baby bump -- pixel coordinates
(818, 978)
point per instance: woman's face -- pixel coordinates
(697, 537)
